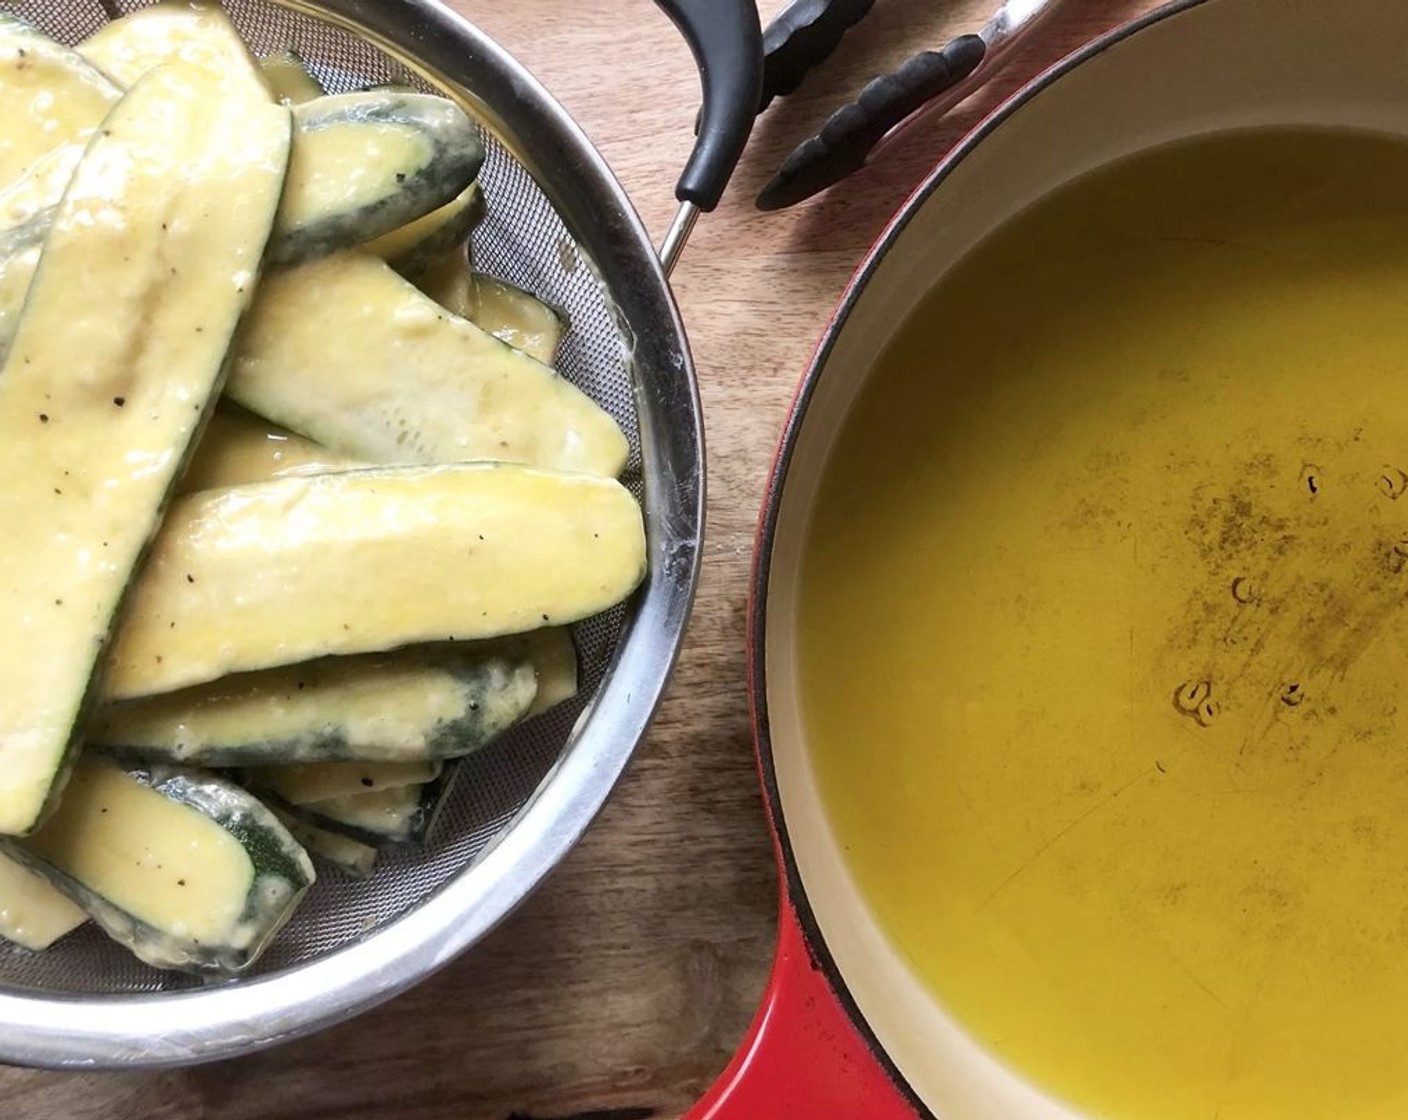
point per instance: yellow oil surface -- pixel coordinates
(1103, 642)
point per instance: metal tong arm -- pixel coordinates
(726, 39)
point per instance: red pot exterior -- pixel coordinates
(803, 1057)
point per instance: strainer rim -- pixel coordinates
(164, 1029)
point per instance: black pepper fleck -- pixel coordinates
(119, 401)
(190, 578)
(43, 417)
(368, 782)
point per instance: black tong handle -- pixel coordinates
(802, 37)
(849, 134)
(726, 39)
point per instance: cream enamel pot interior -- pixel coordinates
(846, 1030)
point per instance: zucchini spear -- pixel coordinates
(117, 357)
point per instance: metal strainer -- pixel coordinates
(559, 225)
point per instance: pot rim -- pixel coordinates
(794, 890)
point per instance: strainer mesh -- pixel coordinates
(524, 241)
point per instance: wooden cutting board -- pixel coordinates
(621, 988)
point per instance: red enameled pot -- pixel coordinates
(845, 1029)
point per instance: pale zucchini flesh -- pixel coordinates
(556, 665)
(347, 855)
(513, 316)
(387, 818)
(449, 281)
(308, 783)
(362, 561)
(365, 164)
(97, 410)
(19, 260)
(516, 317)
(238, 448)
(430, 703)
(37, 193)
(33, 913)
(50, 99)
(347, 353)
(194, 32)
(289, 79)
(186, 870)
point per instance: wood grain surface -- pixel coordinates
(621, 988)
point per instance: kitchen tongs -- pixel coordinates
(806, 34)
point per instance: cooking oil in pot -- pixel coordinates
(1103, 639)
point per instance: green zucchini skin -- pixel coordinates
(454, 154)
(413, 248)
(231, 722)
(282, 874)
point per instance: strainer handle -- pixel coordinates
(726, 38)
